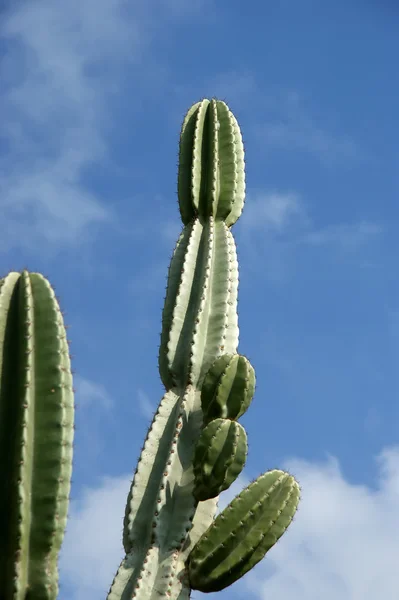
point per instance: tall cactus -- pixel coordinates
(36, 435)
(171, 540)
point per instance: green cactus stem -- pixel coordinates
(36, 436)
(163, 520)
(243, 532)
(219, 457)
(228, 388)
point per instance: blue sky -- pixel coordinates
(92, 97)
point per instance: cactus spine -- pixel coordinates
(36, 436)
(163, 518)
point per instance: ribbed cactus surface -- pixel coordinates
(164, 518)
(36, 436)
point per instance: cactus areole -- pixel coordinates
(172, 541)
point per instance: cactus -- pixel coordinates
(36, 435)
(172, 542)
(194, 448)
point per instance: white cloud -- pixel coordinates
(147, 408)
(304, 134)
(274, 211)
(345, 235)
(88, 392)
(343, 543)
(284, 215)
(291, 127)
(92, 547)
(58, 73)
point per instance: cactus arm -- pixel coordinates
(241, 535)
(36, 436)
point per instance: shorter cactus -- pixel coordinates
(36, 436)
(219, 457)
(228, 388)
(243, 532)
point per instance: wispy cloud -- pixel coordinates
(282, 214)
(275, 225)
(147, 408)
(59, 71)
(53, 106)
(342, 542)
(345, 235)
(94, 411)
(88, 392)
(92, 548)
(291, 127)
(274, 211)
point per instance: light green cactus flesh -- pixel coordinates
(163, 519)
(36, 436)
